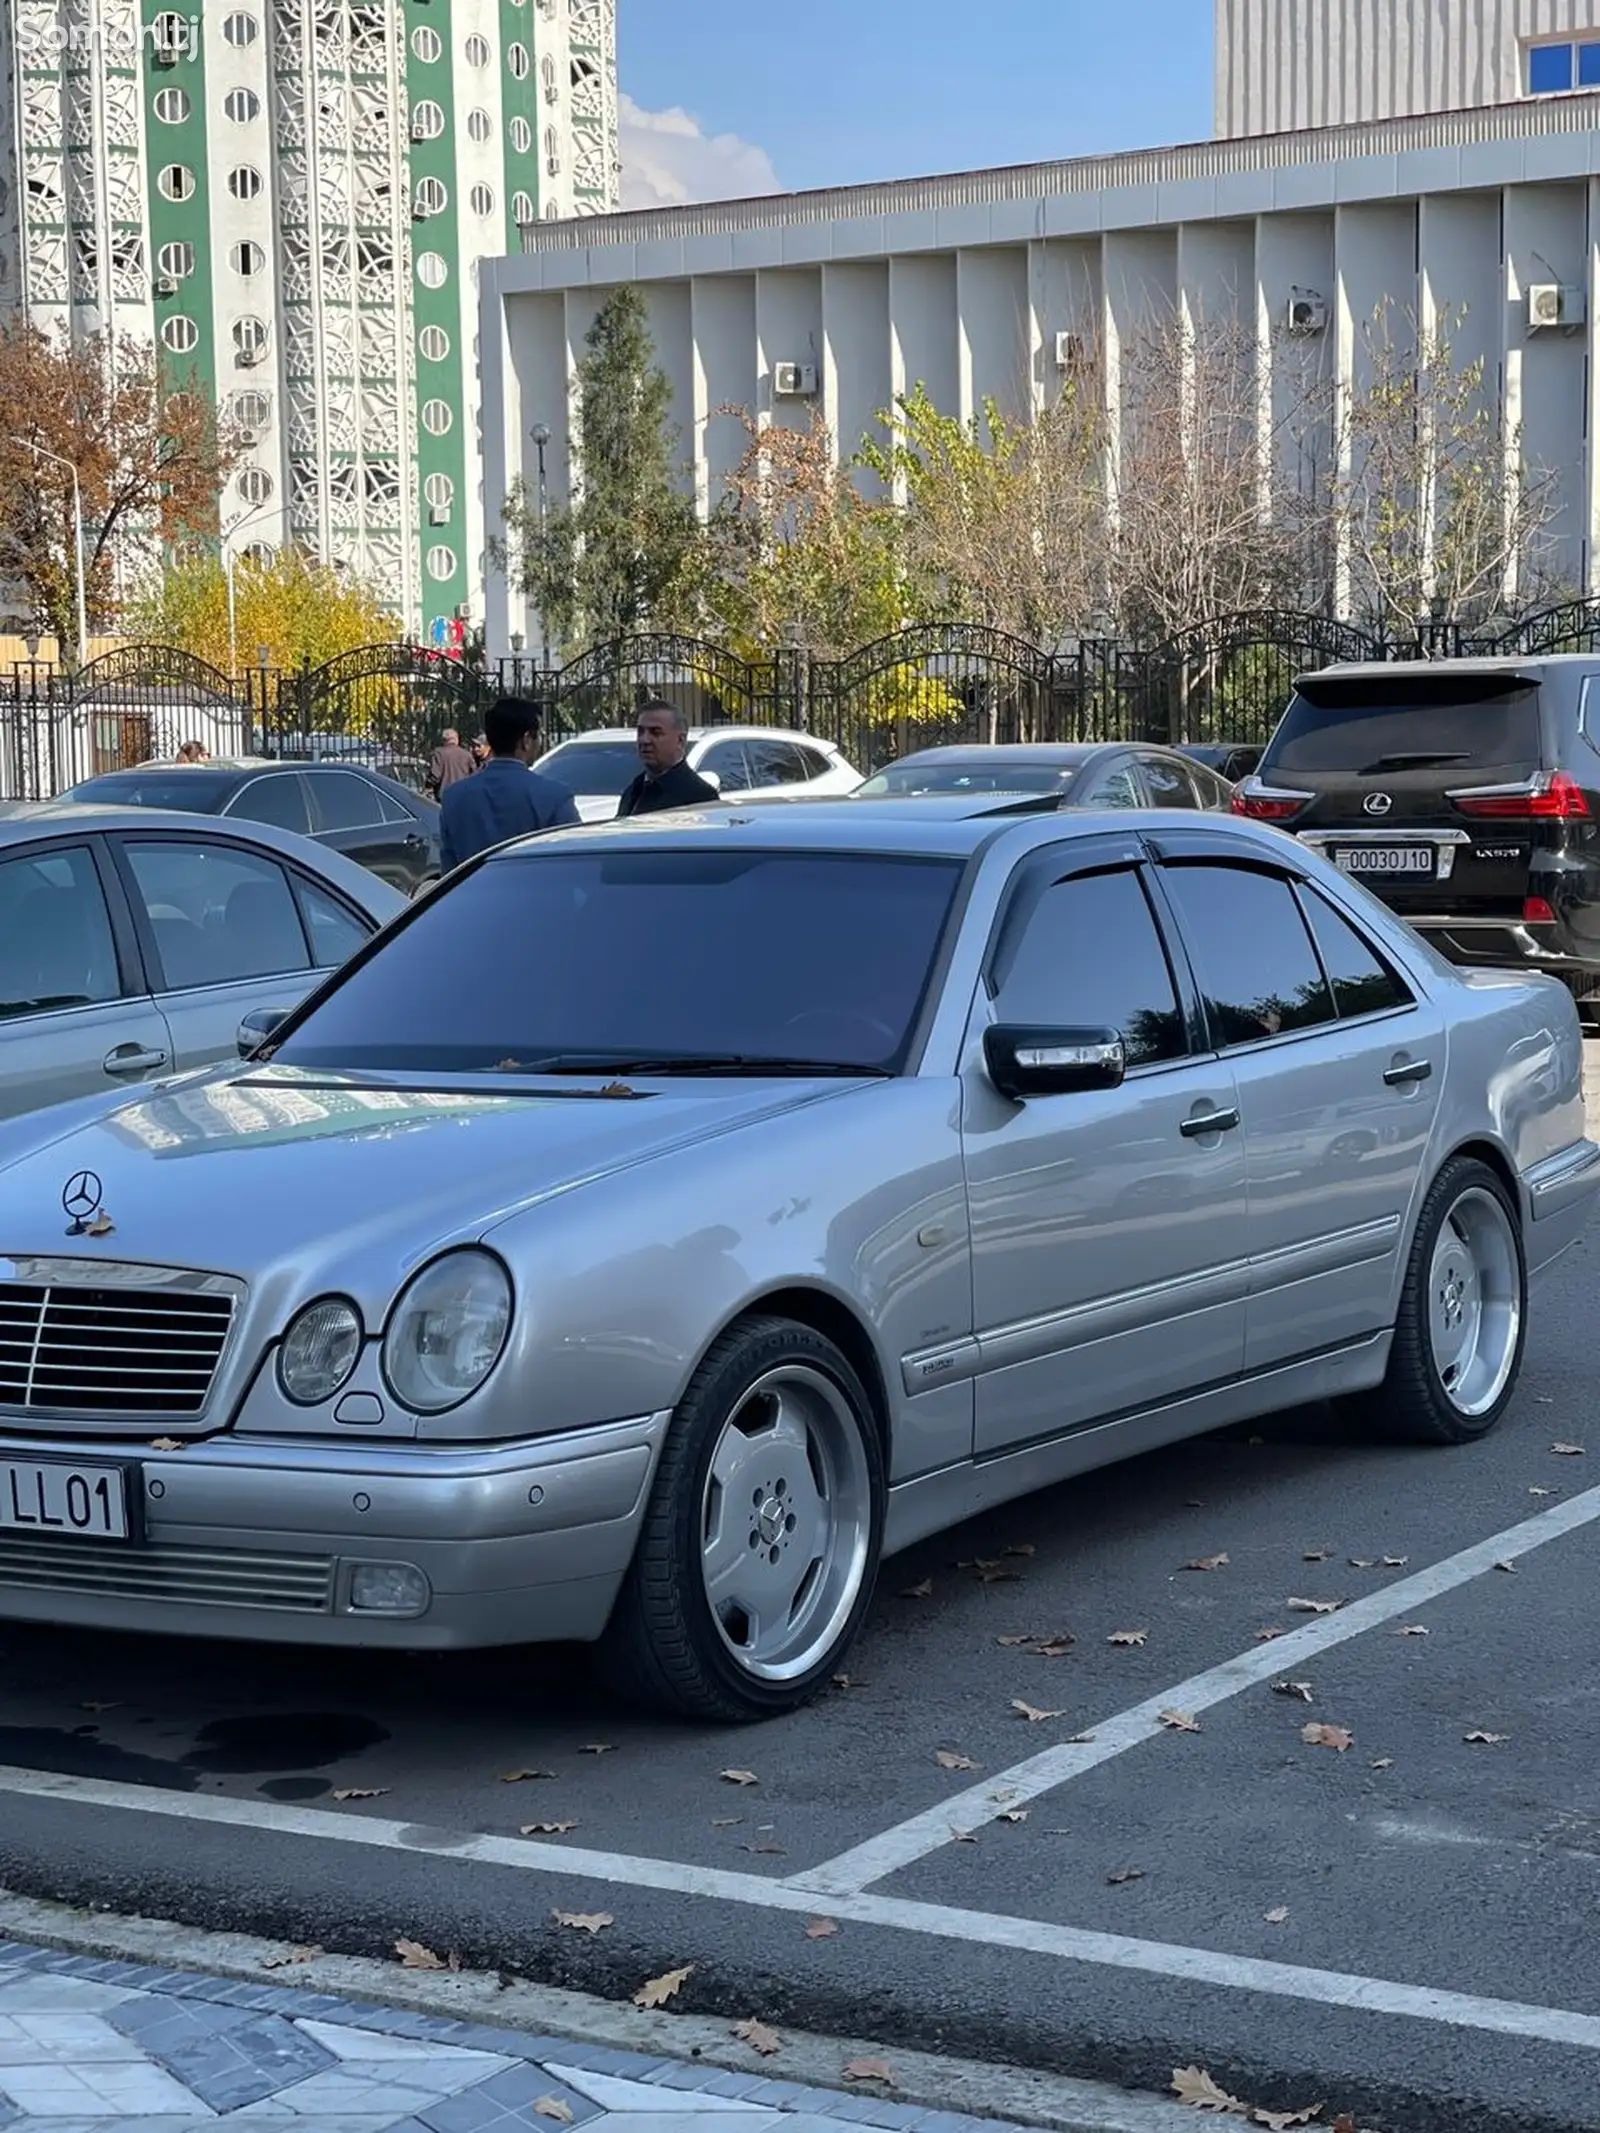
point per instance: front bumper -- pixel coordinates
(262, 1538)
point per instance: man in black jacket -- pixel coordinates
(666, 779)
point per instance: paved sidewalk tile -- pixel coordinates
(90, 2046)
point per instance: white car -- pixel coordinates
(757, 761)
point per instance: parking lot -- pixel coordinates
(1063, 1810)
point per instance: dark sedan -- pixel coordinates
(370, 818)
(1068, 774)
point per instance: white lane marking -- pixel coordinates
(909, 1841)
(1201, 1966)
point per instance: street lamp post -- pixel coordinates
(77, 545)
(541, 438)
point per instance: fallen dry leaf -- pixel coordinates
(1412, 1629)
(962, 1836)
(583, 1921)
(553, 2107)
(924, 1591)
(726, 1821)
(1487, 1740)
(1313, 1607)
(1015, 1814)
(1032, 1713)
(1344, 2123)
(290, 1957)
(1541, 1492)
(1266, 1636)
(1192, 2084)
(545, 1829)
(1180, 1721)
(1316, 1736)
(844, 1682)
(1124, 1874)
(1316, 1555)
(521, 1777)
(759, 2037)
(101, 1226)
(821, 1928)
(1278, 1915)
(1301, 1690)
(998, 1574)
(947, 1759)
(165, 1444)
(656, 1991)
(766, 1846)
(1361, 1562)
(738, 1777)
(99, 1707)
(1128, 1636)
(362, 1792)
(1568, 1451)
(1022, 1548)
(1508, 1564)
(414, 1956)
(1384, 1762)
(1281, 2121)
(598, 1747)
(1395, 1562)
(1014, 1643)
(1207, 1562)
(878, 2070)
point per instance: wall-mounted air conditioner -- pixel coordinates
(166, 285)
(1072, 351)
(464, 611)
(164, 55)
(1306, 315)
(794, 381)
(249, 357)
(248, 440)
(1551, 304)
(438, 514)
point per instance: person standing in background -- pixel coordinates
(666, 779)
(506, 798)
(451, 763)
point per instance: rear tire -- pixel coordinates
(756, 1562)
(1463, 1316)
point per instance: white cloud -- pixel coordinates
(667, 161)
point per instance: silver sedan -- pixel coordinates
(663, 1223)
(134, 941)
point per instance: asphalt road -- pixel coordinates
(1401, 1927)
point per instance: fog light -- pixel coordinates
(388, 1589)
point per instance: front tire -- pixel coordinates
(756, 1562)
(1463, 1315)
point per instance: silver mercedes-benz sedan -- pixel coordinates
(662, 1223)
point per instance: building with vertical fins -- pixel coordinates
(292, 198)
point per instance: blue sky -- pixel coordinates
(740, 95)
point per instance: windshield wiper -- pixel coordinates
(1418, 759)
(707, 1063)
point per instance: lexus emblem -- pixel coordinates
(1377, 803)
(81, 1198)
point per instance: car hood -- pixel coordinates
(248, 1168)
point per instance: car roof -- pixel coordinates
(699, 733)
(1065, 755)
(953, 826)
(32, 820)
(1410, 669)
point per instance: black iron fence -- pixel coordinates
(1223, 680)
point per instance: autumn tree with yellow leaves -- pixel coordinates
(293, 611)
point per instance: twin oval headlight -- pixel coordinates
(445, 1335)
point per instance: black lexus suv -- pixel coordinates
(1465, 792)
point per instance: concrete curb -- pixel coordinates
(924, 2079)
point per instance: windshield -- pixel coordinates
(1375, 727)
(592, 770)
(954, 775)
(583, 959)
(197, 791)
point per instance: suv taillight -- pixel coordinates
(1555, 798)
(1266, 803)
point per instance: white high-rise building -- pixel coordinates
(292, 198)
(1283, 65)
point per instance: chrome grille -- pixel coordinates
(146, 1354)
(208, 1577)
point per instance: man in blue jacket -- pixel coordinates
(505, 798)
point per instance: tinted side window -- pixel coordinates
(1088, 955)
(1113, 787)
(775, 763)
(1362, 983)
(1168, 784)
(336, 932)
(344, 802)
(1251, 952)
(726, 761)
(391, 809)
(817, 765)
(56, 948)
(218, 914)
(279, 800)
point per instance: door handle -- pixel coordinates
(1398, 1077)
(1204, 1122)
(133, 1059)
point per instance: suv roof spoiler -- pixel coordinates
(1509, 673)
